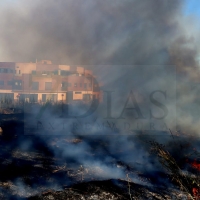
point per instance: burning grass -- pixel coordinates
(188, 182)
(96, 169)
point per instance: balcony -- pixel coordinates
(44, 73)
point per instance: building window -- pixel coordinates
(64, 85)
(33, 98)
(35, 85)
(10, 83)
(56, 72)
(75, 84)
(5, 70)
(1, 83)
(86, 97)
(78, 92)
(85, 85)
(34, 72)
(48, 85)
(80, 84)
(18, 85)
(89, 84)
(64, 73)
(17, 71)
(44, 73)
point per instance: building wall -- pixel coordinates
(64, 67)
(24, 68)
(43, 79)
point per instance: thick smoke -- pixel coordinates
(107, 34)
(76, 32)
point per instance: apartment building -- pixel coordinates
(43, 81)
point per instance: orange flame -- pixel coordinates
(195, 165)
(196, 193)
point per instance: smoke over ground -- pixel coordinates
(130, 45)
(109, 32)
(101, 33)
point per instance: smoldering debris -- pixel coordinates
(110, 189)
(58, 161)
(126, 33)
(47, 170)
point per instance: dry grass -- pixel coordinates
(188, 183)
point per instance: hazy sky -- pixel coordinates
(98, 32)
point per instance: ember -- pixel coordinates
(195, 165)
(99, 99)
(196, 193)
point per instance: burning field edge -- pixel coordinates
(35, 167)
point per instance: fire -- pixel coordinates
(196, 193)
(195, 190)
(195, 165)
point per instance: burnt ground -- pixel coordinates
(30, 170)
(107, 189)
